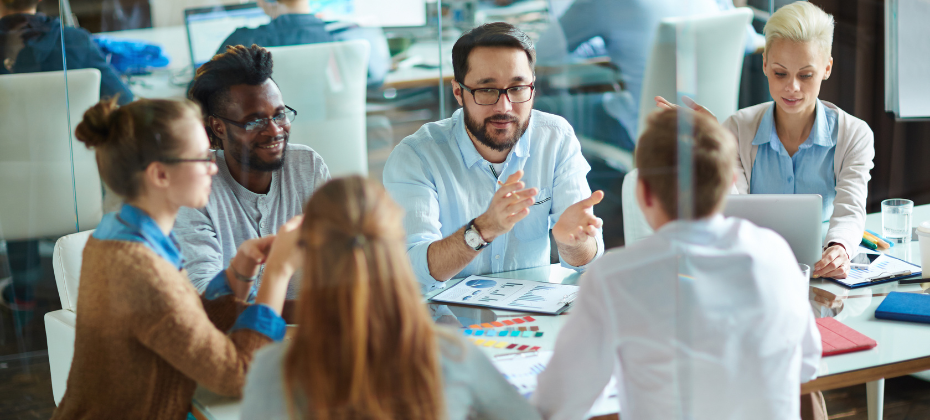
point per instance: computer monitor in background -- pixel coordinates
(372, 13)
(208, 27)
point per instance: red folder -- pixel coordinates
(837, 338)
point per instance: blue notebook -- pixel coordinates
(913, 307)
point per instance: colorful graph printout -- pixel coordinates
(510, 294)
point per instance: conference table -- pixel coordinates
(903, 348)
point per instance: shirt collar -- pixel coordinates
(470, 154)
(821, 133)
(164, 245)
(694, 231)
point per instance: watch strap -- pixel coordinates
(471, 226)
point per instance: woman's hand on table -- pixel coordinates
(834, 263)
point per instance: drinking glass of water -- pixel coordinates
(896, 219)
(805, 270)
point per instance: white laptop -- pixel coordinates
(796, 217)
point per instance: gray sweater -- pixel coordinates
(210, 236)
(474, 389)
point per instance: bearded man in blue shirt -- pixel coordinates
(483, 188)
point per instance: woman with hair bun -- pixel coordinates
(144, 337)
(798, 144)
(365, 347)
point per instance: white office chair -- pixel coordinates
(326, 84)
(60, 324)
(39, 189)
(716, 44)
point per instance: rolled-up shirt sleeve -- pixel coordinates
(263, 320)
(408, 183)
(200, 246)
(570, 185)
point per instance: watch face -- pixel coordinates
(472, 238)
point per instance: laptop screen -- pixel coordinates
(208, 27)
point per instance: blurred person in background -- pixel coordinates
(32, 42)
(625, 30)
(293, 24)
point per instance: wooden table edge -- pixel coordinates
(861, 376)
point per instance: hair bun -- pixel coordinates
(94, 130)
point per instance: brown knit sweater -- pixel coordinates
(145, 338)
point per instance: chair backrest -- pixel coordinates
(717, 42)
(326, 84)
(66, 262)
(38, 193)
(635, 226)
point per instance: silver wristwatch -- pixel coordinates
(472, 238)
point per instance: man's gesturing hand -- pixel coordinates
(510, 204)
(578, 222)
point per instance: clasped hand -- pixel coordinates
(278, 251)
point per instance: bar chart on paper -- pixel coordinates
(884, 265)
(516, 295)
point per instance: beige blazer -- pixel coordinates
(855, 150)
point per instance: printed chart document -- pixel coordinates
(521, 371)
(882, 269)
(511, 294)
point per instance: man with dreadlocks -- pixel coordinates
(262, 180)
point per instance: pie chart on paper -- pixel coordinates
(481, 283)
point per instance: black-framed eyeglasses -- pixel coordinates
(282, 119)
(490, 96)
(207, 161)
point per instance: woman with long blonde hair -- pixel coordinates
(365, 347)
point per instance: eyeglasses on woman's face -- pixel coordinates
(208, 161)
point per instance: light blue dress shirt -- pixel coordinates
(442, 182)
(131, 224)
(809, 171)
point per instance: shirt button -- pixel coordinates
(790, 178)
(497, 257)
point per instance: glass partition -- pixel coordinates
(358, 77)
(48, 188)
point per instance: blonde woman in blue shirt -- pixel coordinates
(798, 144)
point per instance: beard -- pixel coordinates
(486, 135)
(247, 156)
